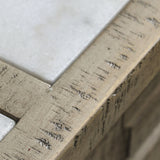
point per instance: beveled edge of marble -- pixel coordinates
(9, 124)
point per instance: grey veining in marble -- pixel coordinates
(6, 124)
(45, 37)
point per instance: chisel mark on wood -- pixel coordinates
(124, 57)
(83, 94)
(145, 4)
(117, 104)
(100, 77)
(12, 78)
(112, 64)
(131, 17)
(55, 111)
(107, 107)
(118, 89)
(140, 35)
(56, 136)
(130, 43)
(116, 25)
(61, 108)
(75, 84)
(61, 126)
(106, 72)
(3, 70)
(44, 143)
(76, 108)
(84, 129)
(119, 32)
(130, 49)
(67, 90)
(154, 21)
(36, 150)
(113, 36)
(54, 97)
(85, 71)
(76, 141)
(93, 88)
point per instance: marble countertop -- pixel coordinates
(45, 37)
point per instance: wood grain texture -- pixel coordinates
(149, 150)
(18, 90)
(144, 115)
(154, 154)
(113, 146)
(132, 131)
(67, 120)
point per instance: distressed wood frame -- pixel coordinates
(66, 120)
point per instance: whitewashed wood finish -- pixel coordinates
(67, 120)
(143, 117)
(113, 146)
(130, 136)
(148, 146)
(45, 37)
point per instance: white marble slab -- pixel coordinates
(6, 124)
(44, 37)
